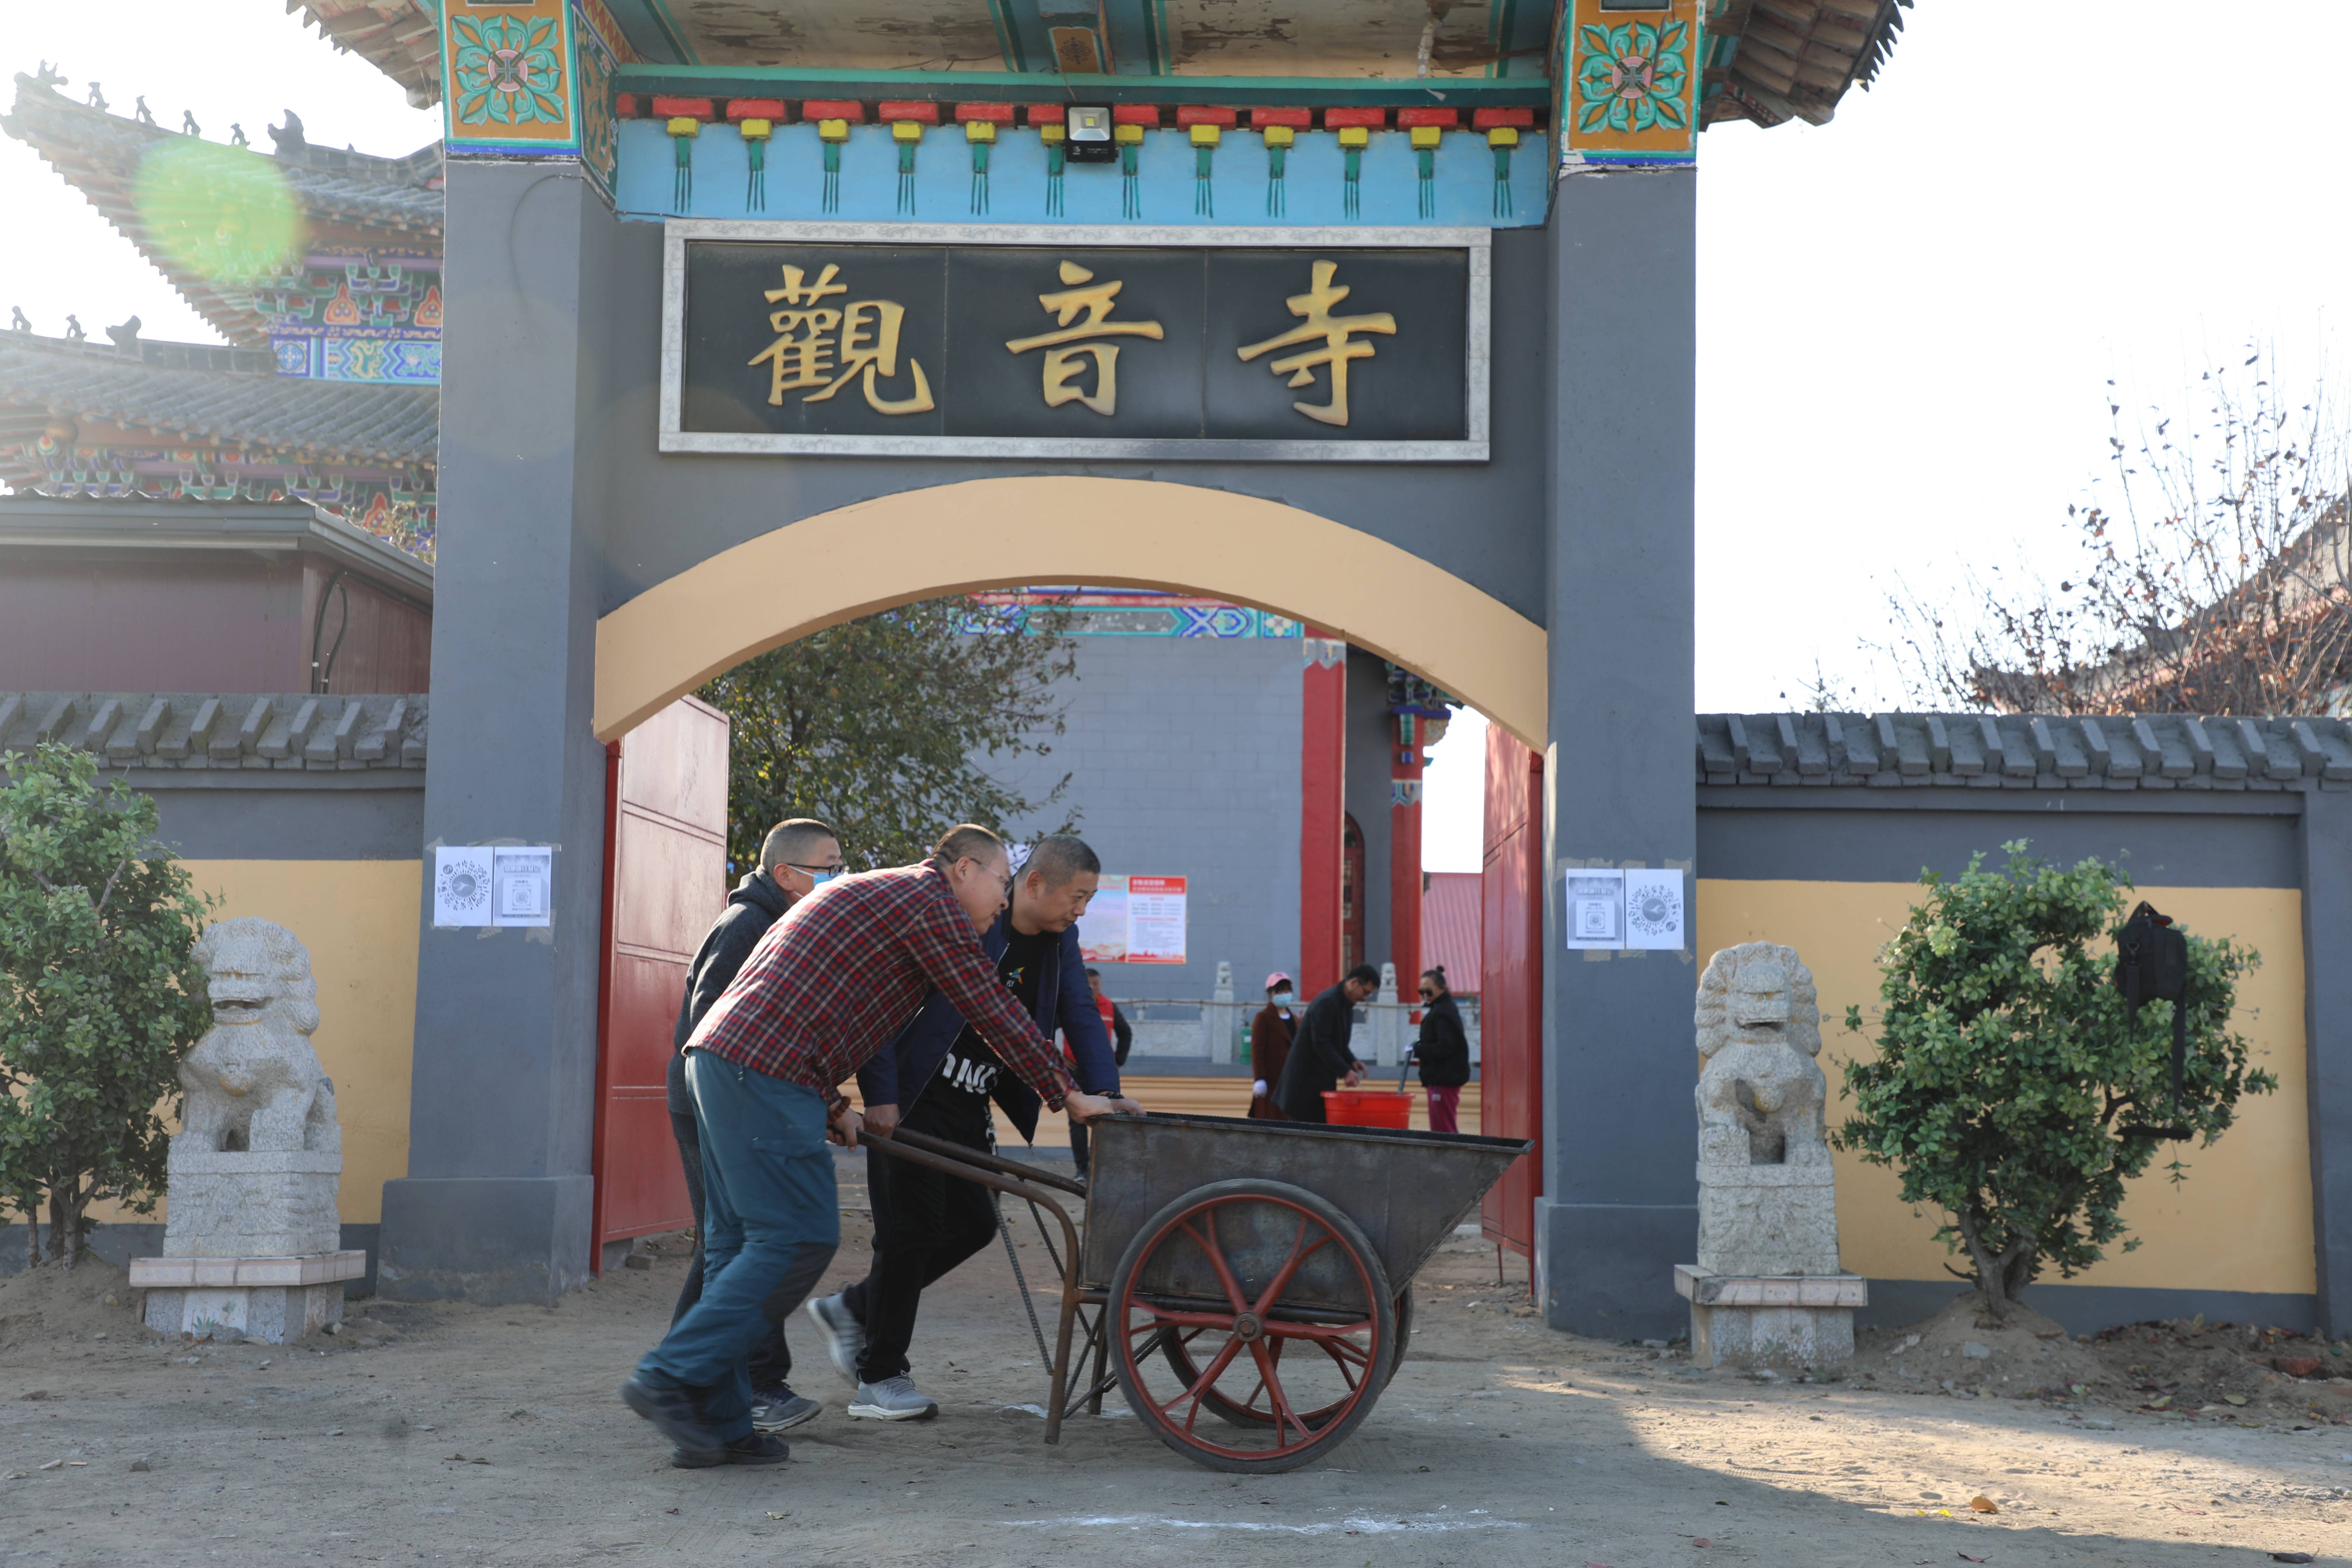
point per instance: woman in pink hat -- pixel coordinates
(1270, 1034)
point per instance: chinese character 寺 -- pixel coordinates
(809, 334)
(1063, 363)
(1337, 348)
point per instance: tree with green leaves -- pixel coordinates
(2015, 1089)
(881, 727)
(100, 996)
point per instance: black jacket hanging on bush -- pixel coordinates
(2152, 965)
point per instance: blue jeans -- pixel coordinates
(771, 1221)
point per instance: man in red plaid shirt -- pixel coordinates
(829, 986)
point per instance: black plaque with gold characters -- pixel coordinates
(1370, 351)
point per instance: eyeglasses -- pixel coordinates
(1427, 991)
(820, 872)
(1005, 881)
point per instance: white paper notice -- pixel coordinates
(1592, 907)
(524, 885)
(1653, 909)
(461, 885)
(1155, 920)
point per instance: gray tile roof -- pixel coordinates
(390, 425)
(2020, 751)
(142, 731)
(389, 203)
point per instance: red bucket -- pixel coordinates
(1367, 1108)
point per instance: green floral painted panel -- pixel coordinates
(509, 70)
(1632, 77)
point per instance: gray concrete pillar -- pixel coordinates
(2326, 846)
(494, 1207)
(1619, 1204)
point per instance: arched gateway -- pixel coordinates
(736, 349)
(1146, 533)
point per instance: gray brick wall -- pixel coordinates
(1184, 754)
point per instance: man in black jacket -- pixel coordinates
(1320, 1057)
(794, 859)
(1443, 1052)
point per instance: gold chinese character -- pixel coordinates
(1338, 345)
(802, 353)
(1063, 363)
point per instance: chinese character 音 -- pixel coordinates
(820, 346)
(1062, 362)
(1335, 348)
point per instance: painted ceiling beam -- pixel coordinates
(652, 31)
(1040, 87)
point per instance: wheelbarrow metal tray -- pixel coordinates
(1406, 1190)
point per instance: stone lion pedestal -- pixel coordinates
(1766, 1289)
(252, 1242)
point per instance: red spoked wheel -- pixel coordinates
(1200, 1323)
(1177, 1350)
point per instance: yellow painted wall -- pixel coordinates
(2242, 1221)
(359, 918)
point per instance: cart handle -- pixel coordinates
(965, 1163)
(997, 1162)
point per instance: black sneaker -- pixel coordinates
(779, 1409)
(758, 1448)
(676, 1414)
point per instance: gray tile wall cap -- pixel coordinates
(2023, 751)
(146, 732)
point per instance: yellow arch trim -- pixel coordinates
(1142, 533)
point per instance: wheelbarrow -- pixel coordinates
(1259, 1273)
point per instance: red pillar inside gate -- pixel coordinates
(1404, 851)
(1323, 811)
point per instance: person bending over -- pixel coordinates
(1320, 1057)
(797, 858)
(937, 1077)
(830, 985)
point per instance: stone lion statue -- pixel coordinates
(1761, 1098)
(253, 1083)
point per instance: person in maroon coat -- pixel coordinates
(1270, 1034)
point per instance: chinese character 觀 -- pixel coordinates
(810, 334)
(1338, 344)
(1062, 361)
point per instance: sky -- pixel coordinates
(1907, 319)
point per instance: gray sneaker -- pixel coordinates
(893, 1399)
(845, 1336)
(779, 1409)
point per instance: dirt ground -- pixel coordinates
(493, 1436)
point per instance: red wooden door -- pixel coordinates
(665, 882)
(1510, 1001)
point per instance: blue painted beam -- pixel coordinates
(1040, 87)
(652, 31)
(1138, 36)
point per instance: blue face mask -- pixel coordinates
(1282, 998)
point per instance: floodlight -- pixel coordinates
(1090, 136)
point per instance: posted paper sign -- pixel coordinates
(1135, 919)
(1102, 929)
(523, 885)
(1592, 907)
(1653, 909)
(461, 885)
(1155, 920)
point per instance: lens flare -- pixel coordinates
(221, 213)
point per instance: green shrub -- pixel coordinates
(99, 997)
(2013, 1089)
